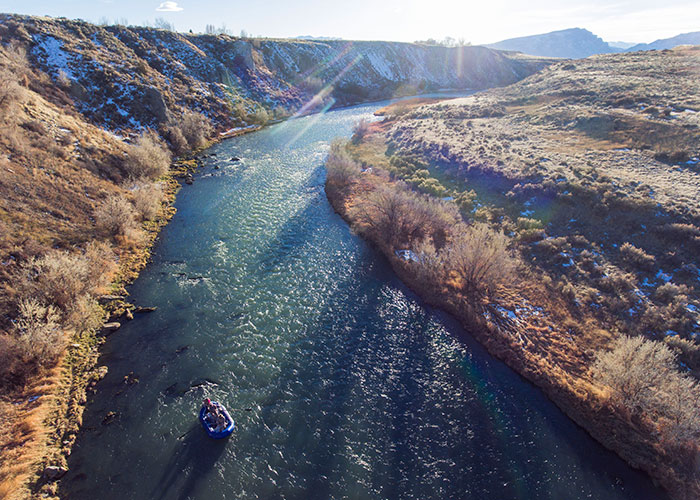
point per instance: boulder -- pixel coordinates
(144, 309)
(153, 102)
(110, 418)
(53, 472)
(112, 327)
(103, 299)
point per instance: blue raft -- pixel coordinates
(230, 424)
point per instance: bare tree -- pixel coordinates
(164, 24)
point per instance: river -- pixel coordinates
(342, 382)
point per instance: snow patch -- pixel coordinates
(56, 58)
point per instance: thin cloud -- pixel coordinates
(169, 7)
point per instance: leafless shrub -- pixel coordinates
(148, 198)
(173, 134)
(361, 130)
(115, 216)
(643, 378)
(10, 90)
(38, 332)
(9, 355)
(60, 278)
(148, 158)
(196, 128)
(401, 218)
(681, 406)
(633, 370)
(340, 167)
(85, 315)
(480, 258)
(637, 257)
(431, 269)
(259, 116)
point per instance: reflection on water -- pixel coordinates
(268, 303)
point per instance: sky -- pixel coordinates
(478, 22)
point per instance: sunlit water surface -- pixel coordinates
(266, 301)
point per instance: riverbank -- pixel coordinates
(525, 323)
(46, 415)
(42, 420)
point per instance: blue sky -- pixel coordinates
(482, 21)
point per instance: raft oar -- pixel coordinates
(196, 426)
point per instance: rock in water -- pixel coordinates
(110, 418)
(109, 328)
(144, 309)
(52, 472)
(103, 299)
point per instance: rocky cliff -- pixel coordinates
(128, 77)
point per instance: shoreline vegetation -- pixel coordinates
(549, 272)
(43, 413)
(80, 212)
(69, 301)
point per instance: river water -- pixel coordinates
(342, 383)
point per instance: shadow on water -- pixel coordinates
(297, 230)
(189, 465)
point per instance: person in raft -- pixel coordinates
(213, 416)
(212, 413)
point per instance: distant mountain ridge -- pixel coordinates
(577, 43)
(573, 43)
(692, 38)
